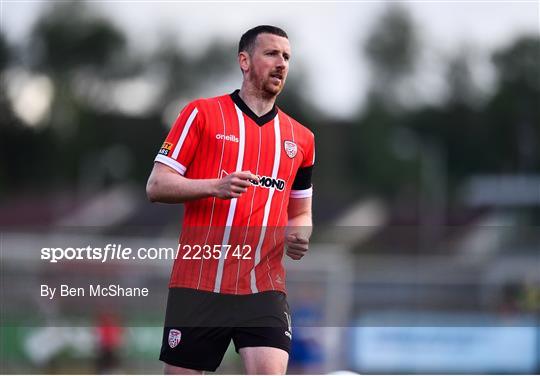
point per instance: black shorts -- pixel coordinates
(199, 325)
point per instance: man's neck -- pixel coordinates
(255, 101)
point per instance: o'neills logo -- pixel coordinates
(268, 182)
(230, 137)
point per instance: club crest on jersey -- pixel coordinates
(290, 148)
(165, 148)
(174, 338)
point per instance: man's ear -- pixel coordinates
(243, 61)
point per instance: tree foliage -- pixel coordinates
(391, 50)
(68, 37)
(380, 151)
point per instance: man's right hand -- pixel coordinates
(234, 184)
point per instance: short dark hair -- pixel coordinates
(247, 42)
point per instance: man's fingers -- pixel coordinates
(295, 252)
(297, 245)
(245, 175)
(295, 238)
(237, 189)
(294, 256)
(240, 183)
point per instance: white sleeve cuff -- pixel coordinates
(304, 193)
(181, 169)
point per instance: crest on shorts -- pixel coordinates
(174, 338)
(290, 148)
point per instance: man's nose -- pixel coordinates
(282, 63)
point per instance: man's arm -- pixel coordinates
(299, 227)
(168, 186)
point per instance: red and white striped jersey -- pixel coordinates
(236, 246)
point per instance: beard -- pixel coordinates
(270, 88)
(267, 86)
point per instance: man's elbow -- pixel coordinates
(152, 190)
(306, 213)
(301, 218)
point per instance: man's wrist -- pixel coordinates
(211, 187)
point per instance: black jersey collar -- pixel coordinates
(260, 120)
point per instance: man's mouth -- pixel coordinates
(277, 75)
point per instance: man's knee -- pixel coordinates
(264, 360)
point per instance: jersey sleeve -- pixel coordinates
(181, 143)
(302, 187)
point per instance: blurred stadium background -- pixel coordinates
(426, 251)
